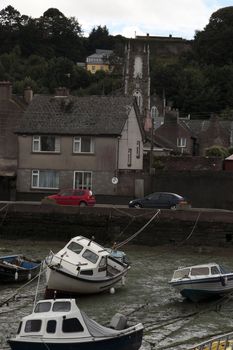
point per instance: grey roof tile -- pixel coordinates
(89, 115)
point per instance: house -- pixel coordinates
(98, 61)
(11, 111)
(77, 142)
(175, 135)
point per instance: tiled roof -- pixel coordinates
(90, 115)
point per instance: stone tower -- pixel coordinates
(137, 73)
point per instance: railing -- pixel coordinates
(222, 342)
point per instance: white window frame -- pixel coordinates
(35, 179)
(36, 144)
(77, 145)
(83, 185)
(181, 142)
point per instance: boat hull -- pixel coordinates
(204, 289)
(131, 341)
(64, 283)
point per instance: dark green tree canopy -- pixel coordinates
(214, 45)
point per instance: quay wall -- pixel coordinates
(111, 224)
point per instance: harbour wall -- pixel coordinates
(109, 224)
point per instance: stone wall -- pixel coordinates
(115, 224)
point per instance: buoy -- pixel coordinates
(112, 290)
(16, 275)
(29, 276)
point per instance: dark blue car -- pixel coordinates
(162, 200)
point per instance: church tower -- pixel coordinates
(137, 73)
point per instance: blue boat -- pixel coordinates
(58, 324)
(17, 268)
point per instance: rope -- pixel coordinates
(4, 216)
(20, 288)
(137, 233)
(194, 226)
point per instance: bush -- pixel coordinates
(217, 151)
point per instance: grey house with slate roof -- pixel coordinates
(77, 142)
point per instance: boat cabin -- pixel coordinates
(198, 271)
(85, 257)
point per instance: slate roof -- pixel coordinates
(89, 115)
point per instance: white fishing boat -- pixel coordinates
(83, 267)
(203, 281)
(58, 324)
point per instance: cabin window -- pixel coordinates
(75, 247)
(90, 256)
(225, 269)
(86, 272)
(32, 326)
(19, 328)
(43, 307)
(214, 270)
(61, 306)
(199, 271)
(181, 273)
(71, 325)
(51, 326)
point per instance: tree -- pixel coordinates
(214, 45)
(99, 38)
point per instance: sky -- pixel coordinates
(180, 18)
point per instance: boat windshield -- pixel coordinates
(199, 271)
(90, 256)
(224, 269)
(75, 247)
(181, 273)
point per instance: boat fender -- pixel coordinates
(29, 276)
(16, 275)
(112, 290)
(223, 280)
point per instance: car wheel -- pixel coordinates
(83, 204)
(137, 205)
(173, 207)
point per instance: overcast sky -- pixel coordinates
(127, 17)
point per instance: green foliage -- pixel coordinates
(217, 151)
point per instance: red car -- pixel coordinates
(73, 197)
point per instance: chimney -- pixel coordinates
(28, 94)
(5, 90)
(62, 92)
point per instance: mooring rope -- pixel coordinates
(116, 246)
(20, 288)
(4, 216)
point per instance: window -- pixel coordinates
(45, 179)
(129, 156)
(71, 325)
(83, 179)
(83, 144)
(181, 142)
(90, 256)
(46, 143)
(199, 271)
(75, 247)
(32, 326)
(63, 306)
(51, 326)
(43, 307)
(179, 274)
(214, 270)
(138, 149)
